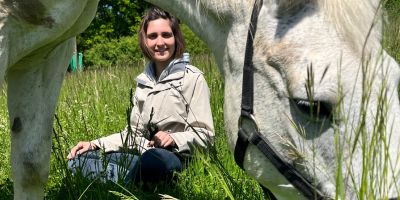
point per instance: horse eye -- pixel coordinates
(317, 110)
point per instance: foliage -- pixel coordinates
(392, 5)
(114, 19)
(392, 29)
(194, 45)
(122, 51)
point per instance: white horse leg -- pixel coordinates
(33, 88)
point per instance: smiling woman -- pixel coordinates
(171, 115)
(157, 35)
(160, 42)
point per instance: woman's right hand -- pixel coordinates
(80, 148)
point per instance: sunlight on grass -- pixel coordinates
(93, 104)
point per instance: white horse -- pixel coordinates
(309, 55)
(35, 47)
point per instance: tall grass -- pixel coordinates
(5, 166)
(93, 104)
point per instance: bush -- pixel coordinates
(120, 51)
(194, 45)
(126, 50)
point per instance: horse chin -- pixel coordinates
(265, 173)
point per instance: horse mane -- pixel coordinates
(357, 21)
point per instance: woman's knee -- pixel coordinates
(158, 164)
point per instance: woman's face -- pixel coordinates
(160, 41)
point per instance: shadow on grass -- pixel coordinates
(79, 187)
(6, 190)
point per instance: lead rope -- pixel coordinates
(249, 133)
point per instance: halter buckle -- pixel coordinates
(248, 122)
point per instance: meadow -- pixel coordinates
(94, 103)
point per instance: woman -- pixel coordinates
(171, 114)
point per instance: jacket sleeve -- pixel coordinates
(199, 129)
(132, 139)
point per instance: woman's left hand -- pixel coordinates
(161, 140)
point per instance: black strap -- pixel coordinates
(248, 69)
(287, 170)
(248, 80)
(252, 134)
(240, 148)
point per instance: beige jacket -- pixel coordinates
(180, 100)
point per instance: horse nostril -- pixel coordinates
(16, 125)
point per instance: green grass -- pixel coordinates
(93, 104)
(392, 30)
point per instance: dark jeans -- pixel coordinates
(152, 166)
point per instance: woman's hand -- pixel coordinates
(162, 140)
(80, 148)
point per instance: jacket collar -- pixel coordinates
(175, 70)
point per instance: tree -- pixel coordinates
(114, 19)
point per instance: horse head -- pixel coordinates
(325, 91)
